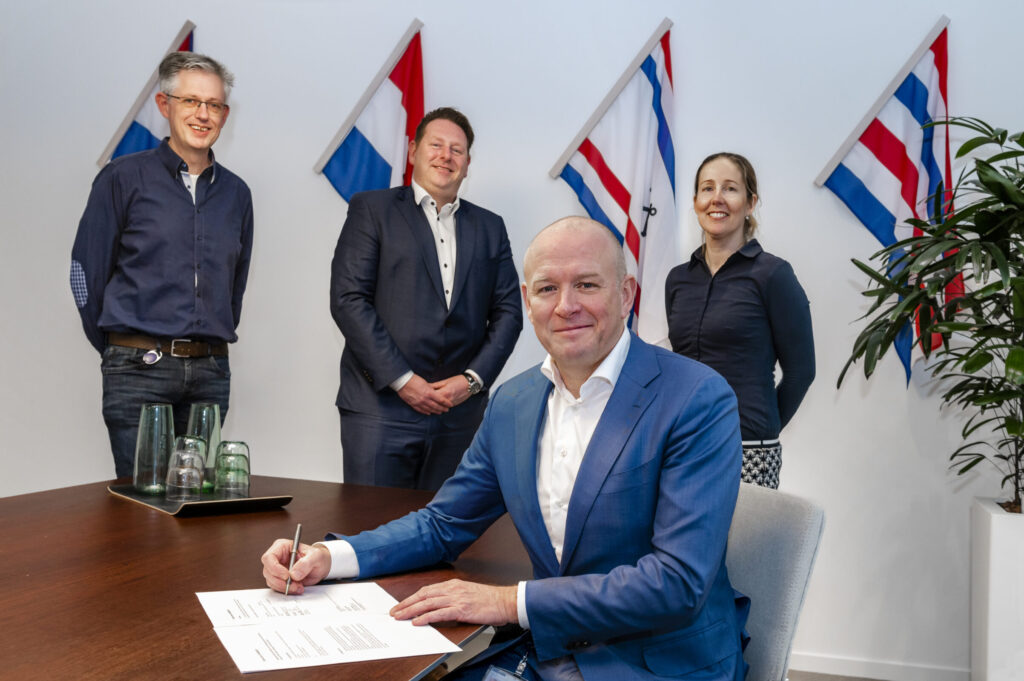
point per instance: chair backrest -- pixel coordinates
(773, 542)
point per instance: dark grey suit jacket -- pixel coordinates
(387, 299)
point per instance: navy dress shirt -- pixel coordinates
(148, 260)
(750, 314)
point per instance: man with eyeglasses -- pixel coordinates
(160, 261)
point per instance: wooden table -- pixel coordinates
(97, 587)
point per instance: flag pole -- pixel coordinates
(384, 72)
(108, 151)
(889, 91)
(665, 25)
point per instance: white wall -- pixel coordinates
(784, 86)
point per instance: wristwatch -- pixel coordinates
(474, 385)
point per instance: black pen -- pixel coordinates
(291, 563)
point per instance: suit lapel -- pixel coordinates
(531, 409)
(421, 235)
(465, 245)
(625, 407)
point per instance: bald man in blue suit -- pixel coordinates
(619, 463)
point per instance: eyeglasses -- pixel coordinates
(215, 109)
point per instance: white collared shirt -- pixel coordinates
(442, 226)
(568, 427)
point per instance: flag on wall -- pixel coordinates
(371, 150)
(890, 167)
(622, 167)
(144, 126)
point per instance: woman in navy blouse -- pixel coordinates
(740, 310)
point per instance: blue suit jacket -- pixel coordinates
(387, 299)
(641, 591)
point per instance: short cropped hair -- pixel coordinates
(176, 62)
(446, 113)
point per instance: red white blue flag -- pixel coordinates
(891, 166)
(622, 168)
(144, 127)
(371, 150)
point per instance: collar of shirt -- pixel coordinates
(176, 164)
(420, 195)
(607, 371)
(751, 249)
(568, 428)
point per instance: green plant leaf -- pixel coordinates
(977, 362)
(952, 327)
(872, 353)
(997, 183)
(1012, 426)
(1015, 365)
(995, 398)
(972, 144)
(1002, 156)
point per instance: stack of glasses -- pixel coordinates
(183, 468)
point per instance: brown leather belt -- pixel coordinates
(175, 347)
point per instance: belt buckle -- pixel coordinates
(179, 340)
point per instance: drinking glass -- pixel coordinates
(204, 422)
(185, 470)
(153, 448)
(193, 449)
(232, 474)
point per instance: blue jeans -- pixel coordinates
(128, 383)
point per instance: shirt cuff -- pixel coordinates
(476, 376)
(524, 621)
(400, 382)
(344, 563)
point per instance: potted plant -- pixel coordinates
(978, 358)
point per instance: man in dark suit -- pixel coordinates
(424, 290)
(619, 463)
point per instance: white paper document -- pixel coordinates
(327, 624)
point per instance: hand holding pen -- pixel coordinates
(310, 565)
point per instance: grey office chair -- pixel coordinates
(773, 542)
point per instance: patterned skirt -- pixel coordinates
(762, 461)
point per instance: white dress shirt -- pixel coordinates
(568, 426)
(442, 226)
